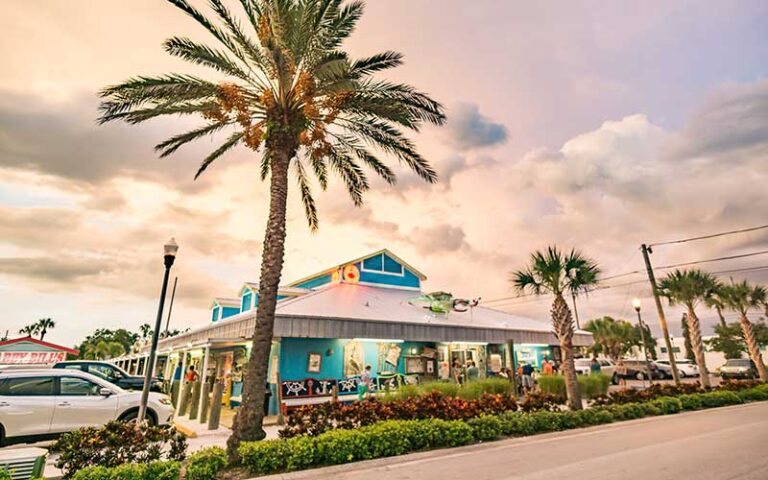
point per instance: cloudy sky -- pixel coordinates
(595, 125)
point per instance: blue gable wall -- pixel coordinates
(384, 270)
(315, 282)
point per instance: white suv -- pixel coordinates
(43, 403)
(686, 368)
(607, 367)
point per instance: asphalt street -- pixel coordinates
(725, 443)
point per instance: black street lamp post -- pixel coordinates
(636, 304)
(170, 250)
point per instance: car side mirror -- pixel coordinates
(105, 392)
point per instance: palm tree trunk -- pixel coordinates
(248, 420)
(563, 326)
(720, 315)
(754, 349)
(694, 330)
(42, 334)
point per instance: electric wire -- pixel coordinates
(704, 237)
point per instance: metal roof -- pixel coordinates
(358, 311)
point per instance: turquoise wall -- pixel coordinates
(315, 282)
(294, 356)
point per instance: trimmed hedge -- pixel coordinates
(131, 471)
(590, 386)
(398, 437)
(205, 464)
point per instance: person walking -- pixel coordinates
(191, 374)
(594, 366)
(621, 373)
(547, 368)
(364, 388)
(472, 371)
(527, 377)
(457, 372)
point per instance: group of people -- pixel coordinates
(467, 372)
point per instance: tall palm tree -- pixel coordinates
(741, 297)
(43, 325)
(30, 330)
(556, 272)
(689, 288)
(285, 88)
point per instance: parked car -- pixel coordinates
(607, 367)
(685, 368)
(112, 374)
(638, 369)
(739, 368)
(37, 404)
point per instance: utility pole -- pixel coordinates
(170, 307)
(662, 319)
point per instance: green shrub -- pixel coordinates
(626, 411)
(691, 401)
(131, 471)
(485, 428)
(5, 474)
(719, 399)
(475, 389)
(753, 394)
(117, 443)
(206, 464)
(667, 405)
(449, 389)
(594, 385)
(552, 384)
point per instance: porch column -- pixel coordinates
(181, 380)
(203, 381)
(510, 361)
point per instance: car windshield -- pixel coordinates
(737, 363)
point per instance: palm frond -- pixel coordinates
(310, 209)
(231, 142)
(174, 143)
(204, 55)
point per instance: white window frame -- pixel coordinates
(382, 271)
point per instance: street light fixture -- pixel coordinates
(169, 255)
(636, 304)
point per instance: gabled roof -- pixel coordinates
(225, 302)
(71, 351)
(287, 291)
(385, 251)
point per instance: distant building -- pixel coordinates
(713, 359)
(31, 352)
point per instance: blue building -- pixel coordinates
(367, 311)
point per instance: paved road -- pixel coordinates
(726, 443)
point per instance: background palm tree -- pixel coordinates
(146, 331)
(741, 297)
(43, 325)
(556, 272)
(615, 338)
(689, 288)
(286, 88)
(30, 330)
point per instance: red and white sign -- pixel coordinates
(31, 358)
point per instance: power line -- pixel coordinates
(704, 237)
(710, 260)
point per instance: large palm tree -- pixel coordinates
(689, 288)
(556, 272)
(43, 325)
(283, 87)
(741, 297)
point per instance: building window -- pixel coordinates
(382, 264)
(246, 304)
(215, 314)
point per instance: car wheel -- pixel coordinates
(133, 415)
(681, 373)
(640, 376)
(2, 435)
(615, 379)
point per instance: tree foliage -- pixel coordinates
(615, 338)
(729, 339)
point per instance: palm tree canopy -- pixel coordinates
(688, 287)
(740, 296)
(554, 271)
(30, 330)
(284, 82)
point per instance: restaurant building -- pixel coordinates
(330, 325)
(31, 352)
